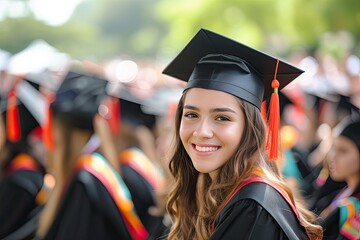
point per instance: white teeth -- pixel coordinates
(206, 149)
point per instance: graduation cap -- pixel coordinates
(352, 131)
(78, 99)
(344, 104)
(125, 106)
(215, 62)
(22, 112)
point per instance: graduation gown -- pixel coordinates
(341, 223)
(259, 212)
(143, 178)
(323, 197)
(19, 188)
(93, 206)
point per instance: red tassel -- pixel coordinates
(263, 110)
(13, 130)
(47, 126)
(272, 143)
(114, 120)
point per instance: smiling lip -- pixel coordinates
(331, 168)
(205, 149)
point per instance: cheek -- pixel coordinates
(348, 163)
(353, 162)
(232, 134)
(184, 132)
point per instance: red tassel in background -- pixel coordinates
(47, 126)
(114, 120)
(13, 130)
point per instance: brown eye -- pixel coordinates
(190, 115)
(222, 118)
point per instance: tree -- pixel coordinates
(298, 22)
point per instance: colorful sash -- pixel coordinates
(138, 161)
(349, 223)
(100, 168)
(22, 162)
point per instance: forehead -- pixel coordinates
(344, 142)
(204, 97)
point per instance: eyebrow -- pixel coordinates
(224, 109)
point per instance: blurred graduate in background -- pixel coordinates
(343, 213)
(22, 188)
(135, 140)
(90, 199)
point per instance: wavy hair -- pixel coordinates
(196, 199)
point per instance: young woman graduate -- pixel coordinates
(21, 171)
(343, 221)
(226, 186)
(90, 200)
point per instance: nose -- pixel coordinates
(330, 157)
(203, 130)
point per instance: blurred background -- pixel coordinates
(131, 41)
(157, 29)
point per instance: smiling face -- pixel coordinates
(344, 159)
(211, 128)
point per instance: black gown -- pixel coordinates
(18, 190)
(331, 224)
(142, 192)
(88, 211)
(323, 196)
(246, 218)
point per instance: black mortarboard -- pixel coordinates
(345, 104)
(352, 131)
(133, 113)
(212, 61)
(78, 99)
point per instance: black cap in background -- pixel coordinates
(78, 99)
(352, 132)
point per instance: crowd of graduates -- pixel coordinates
(84, 155)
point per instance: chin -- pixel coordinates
(203, 169)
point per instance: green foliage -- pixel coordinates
(152, 28)
(299, 23)
(18, 33)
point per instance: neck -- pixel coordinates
(79, 138)
(353, 181)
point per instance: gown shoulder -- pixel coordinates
(268, 217)
(18, 193)
(87, 212)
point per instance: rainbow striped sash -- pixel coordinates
(100, 168)
(138, 161)
(349, 223)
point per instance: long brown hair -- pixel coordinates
(196, 199)
(61, 163)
